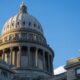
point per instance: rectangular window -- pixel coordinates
(77, 72)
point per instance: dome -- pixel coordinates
(22, 20)
(23, 45)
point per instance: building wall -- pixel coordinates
(71, 73)
(5, 75)
(5, 72)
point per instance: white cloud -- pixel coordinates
(59, 70)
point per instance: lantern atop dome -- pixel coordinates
(23, 8)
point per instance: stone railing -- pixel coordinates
(23, 39)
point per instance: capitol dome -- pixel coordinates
(23, 45)
(22, 20)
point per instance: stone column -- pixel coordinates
(6, 57)
(36, 57)
(29, 61)
(13, 57)
(19, 57)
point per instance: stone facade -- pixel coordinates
(72, 67)
(5, 72)
(73, 70)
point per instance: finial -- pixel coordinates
(23, 3)
(23, 8)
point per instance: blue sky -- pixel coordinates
(60, 20)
